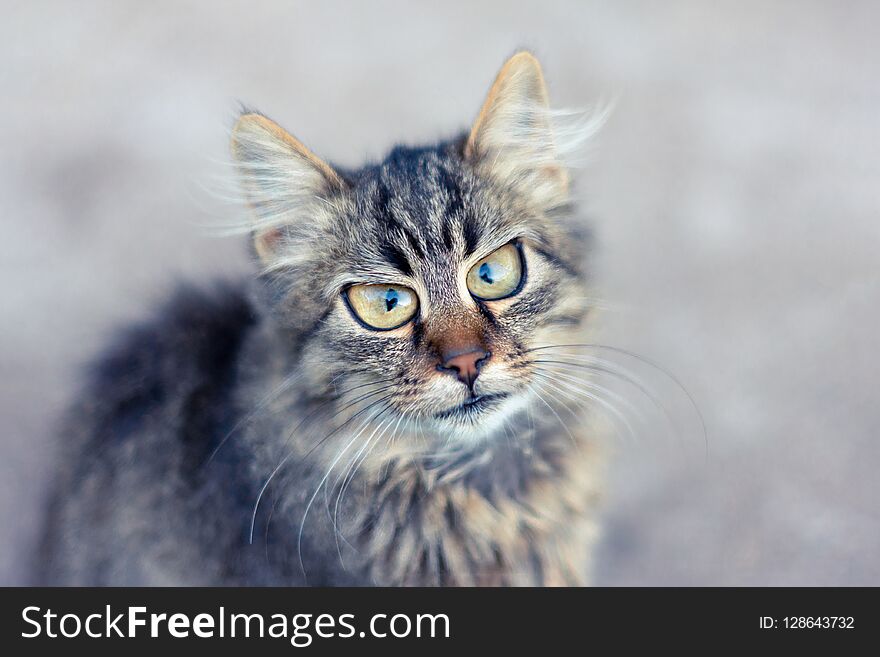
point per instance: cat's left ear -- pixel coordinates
(512, 139)
(281, 179)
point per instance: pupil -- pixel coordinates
(486, 273)
(390, 300)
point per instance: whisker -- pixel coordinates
(649, 362)
(564, 405)
(343, 476)
(357, 434)
(290, 454)
(590, 385)
(534, 388)
(265, 401)
(344, 408)
(350, 477)
(286, 383)
(607, 367)
(268, 525)
(591, 397)
(321, 484)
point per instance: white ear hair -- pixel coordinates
(281, 179)
(519, 141)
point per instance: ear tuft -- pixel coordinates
(512, 139)
(280, 178)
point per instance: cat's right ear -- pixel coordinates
(281, 180)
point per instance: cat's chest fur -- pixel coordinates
(423, 533)
(522, 517)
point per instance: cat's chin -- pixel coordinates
(479, 418)
(472, 409)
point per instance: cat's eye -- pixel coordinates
(498, 275)
(382, 307)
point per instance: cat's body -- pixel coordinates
(148, 501)
(276, 432)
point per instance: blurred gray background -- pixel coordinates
(734, 192)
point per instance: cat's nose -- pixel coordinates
(465, 366)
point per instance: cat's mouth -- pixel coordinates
(471, 407)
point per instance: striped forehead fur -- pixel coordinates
(415, 200)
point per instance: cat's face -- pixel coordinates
(421, 284)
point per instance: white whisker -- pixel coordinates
(318, 489)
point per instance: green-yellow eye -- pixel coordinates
(382, 307)
(498, 275)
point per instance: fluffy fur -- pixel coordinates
(261, 434)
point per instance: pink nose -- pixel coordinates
(465, 366)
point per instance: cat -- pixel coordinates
(372, 407)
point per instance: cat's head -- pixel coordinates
(416, 287)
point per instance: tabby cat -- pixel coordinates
(377, 405)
